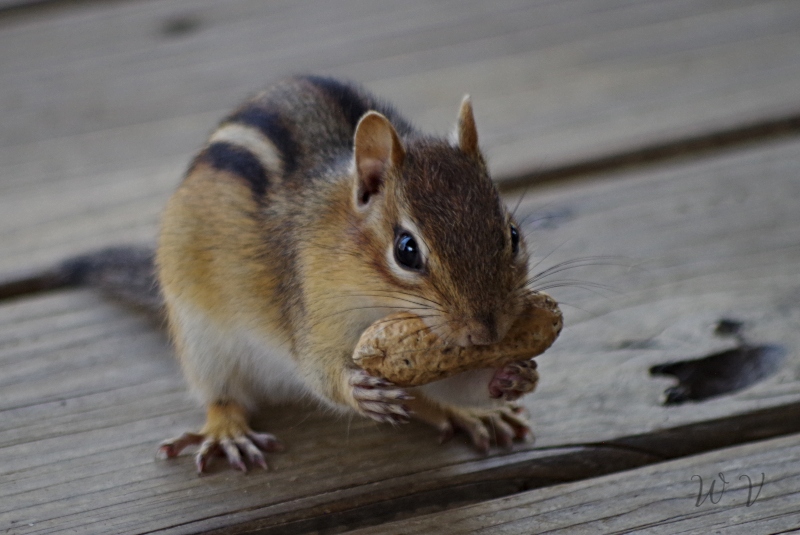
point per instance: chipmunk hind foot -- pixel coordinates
(484, 427)
(226, 433)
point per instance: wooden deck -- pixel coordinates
(663, 134)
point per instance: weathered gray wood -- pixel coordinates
(43, 225)
(87, 389)
(101, 108)
(87, 392)
(664, 498)
(594, 59)
(103, 104)
(709, 240)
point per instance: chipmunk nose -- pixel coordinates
(482, 331)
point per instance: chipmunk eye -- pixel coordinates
(514, 240)
(406, 251)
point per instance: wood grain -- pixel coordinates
(592, 58)
(103, 103)
(695, 244)
(88, 389)
(760, 497)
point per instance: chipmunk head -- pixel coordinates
(442, 241)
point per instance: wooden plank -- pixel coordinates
(603, 62)
(87, 390)
(105, 92)
(45, 224)
(761, 495)
(710, 240)
(81, 418)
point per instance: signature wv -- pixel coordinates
(716, 498)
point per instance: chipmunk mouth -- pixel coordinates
(476, 331)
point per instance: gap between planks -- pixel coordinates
(756, 492)
(703, 145)
(716, 202)
(527, 471)
(26, 8)
(698, 147)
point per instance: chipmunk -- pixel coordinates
(313, 211)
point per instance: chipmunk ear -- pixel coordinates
(376, 148)
(467, 132)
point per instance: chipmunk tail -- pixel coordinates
(125, 273)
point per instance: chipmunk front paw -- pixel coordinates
(514, 380)
(225, 434)
(378, 398)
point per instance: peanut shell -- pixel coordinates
(402, 349)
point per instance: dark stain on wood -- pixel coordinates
(180, 25)
(721, 373)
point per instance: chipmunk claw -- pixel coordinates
(494, 426)
(446, 432)
(379, 399)
(172, 447)
(250, 446)
(226, 434)
(514, 380)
